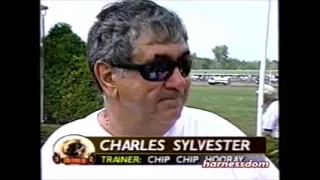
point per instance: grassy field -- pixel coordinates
(236, 104)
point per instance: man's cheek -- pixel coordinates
(188, 83)
(188, 87)
(135, 91)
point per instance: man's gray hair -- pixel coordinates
(113, 36)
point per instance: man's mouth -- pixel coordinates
(171, 98)
(168, 98)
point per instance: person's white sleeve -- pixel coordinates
(270, 117)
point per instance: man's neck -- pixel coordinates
(118, 123)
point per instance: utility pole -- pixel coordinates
(43, 10)
(262, 79)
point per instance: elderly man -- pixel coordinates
(140, 59)
(270, 118)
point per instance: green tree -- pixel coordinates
(69, 91)
(195, 64)
(221, 53)
(222, 56)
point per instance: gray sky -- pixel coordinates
(239, 24)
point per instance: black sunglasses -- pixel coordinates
(161, 68)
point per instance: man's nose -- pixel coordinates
(176, 81)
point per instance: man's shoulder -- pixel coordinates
(75, 127)
(207, 123)
(69, 128)
(64, 130)
(86, 126)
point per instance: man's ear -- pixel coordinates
(103, 73)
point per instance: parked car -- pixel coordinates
(219, 80)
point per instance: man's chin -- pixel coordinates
(170, 115)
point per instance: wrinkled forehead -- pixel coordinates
(147, 52)
(148, 46)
